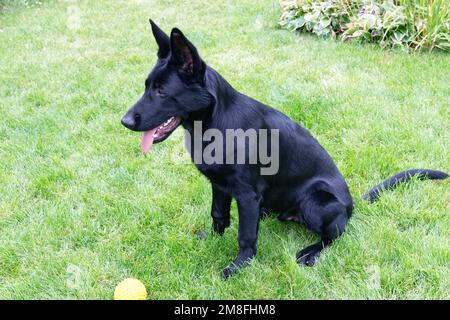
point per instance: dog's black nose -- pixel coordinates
(129, 121)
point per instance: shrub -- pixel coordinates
(407, 24)
(322, 18)
(6, 5)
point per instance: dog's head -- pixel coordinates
(174, 89)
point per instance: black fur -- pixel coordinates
(308, 187)
(403, 176)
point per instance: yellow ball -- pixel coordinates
(130, 289)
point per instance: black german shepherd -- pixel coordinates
(308, 187)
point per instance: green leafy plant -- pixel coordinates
(323, 18)
(407, 24)
(381, 23)
(430, 22)
(6, 5)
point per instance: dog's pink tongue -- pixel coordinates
(147, 141)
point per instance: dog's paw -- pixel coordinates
(243, 259)
(230, 270)
(307, 257)
(219, 226)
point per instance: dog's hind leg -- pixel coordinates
(325, 215)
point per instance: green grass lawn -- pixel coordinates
(81, 208)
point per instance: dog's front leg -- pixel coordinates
(220, 210)
(249, 207)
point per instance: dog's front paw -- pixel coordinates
(243, 258)
(229, 271)
(219, 226)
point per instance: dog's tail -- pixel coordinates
(403, 176)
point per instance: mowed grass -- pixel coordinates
(81, 208)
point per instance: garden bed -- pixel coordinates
(405, 24)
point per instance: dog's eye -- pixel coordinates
(159, 91)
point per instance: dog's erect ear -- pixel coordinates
(162, 40)
(185, 55)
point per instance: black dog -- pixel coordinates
(308, 187)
